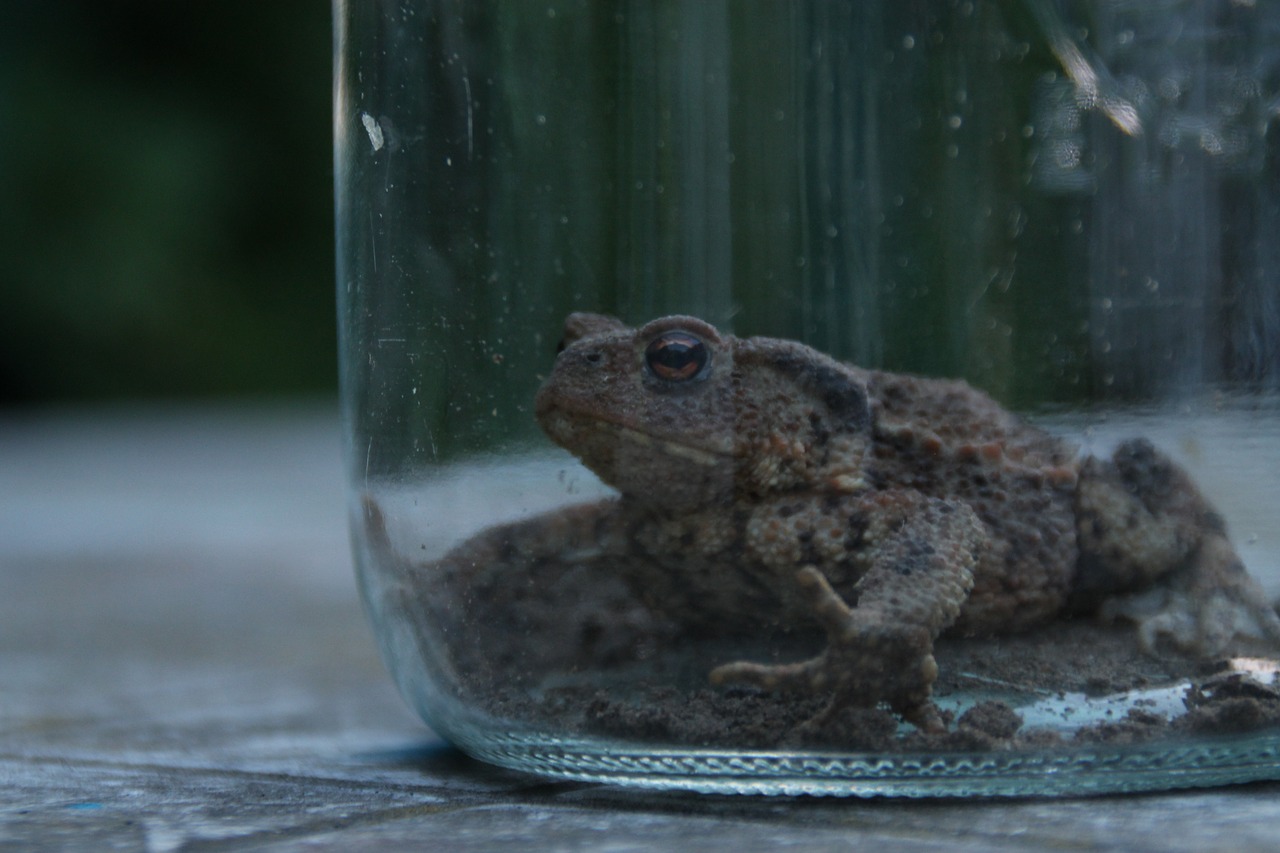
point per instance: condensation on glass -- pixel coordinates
(679, 556)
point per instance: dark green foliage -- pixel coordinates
(166, 198)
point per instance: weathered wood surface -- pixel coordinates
(184, 665)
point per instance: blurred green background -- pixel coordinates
(166, 216)
(166, 191)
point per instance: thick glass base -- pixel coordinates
(1076, 772)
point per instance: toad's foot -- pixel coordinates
(868, 660)
(1201, 608)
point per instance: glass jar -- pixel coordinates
(699, 559)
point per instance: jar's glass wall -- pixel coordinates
(1072, 206)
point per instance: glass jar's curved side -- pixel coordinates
(394, 346)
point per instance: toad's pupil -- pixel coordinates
(677, 356)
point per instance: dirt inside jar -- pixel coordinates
(555, 650)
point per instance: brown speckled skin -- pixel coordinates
(777, 486)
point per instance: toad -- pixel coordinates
(763, 486)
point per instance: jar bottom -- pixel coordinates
(1072, 772)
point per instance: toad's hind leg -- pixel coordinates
(1153, 550)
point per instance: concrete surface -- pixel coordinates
(184, 666)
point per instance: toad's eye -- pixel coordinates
(677, 357)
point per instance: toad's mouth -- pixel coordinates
(577, 432)
(688, 452)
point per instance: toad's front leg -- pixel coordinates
(884, 574)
